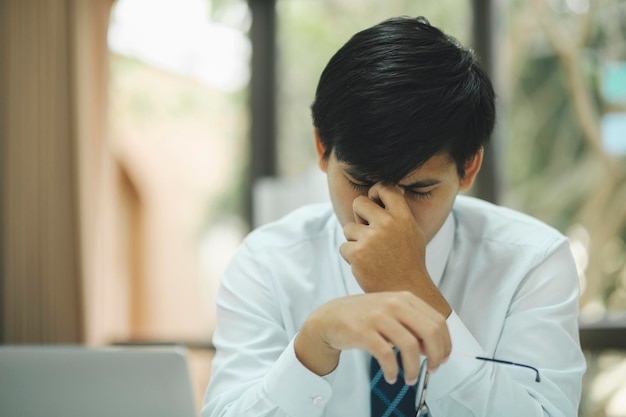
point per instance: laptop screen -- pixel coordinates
(73, 381)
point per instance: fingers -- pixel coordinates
(390, 197)
(391, 333)
(433, 332)
(381, 200)
(410, 349)
(365, 210)
(386, 357)
(355, 231)
(346, 250)
(415, 330)
(376, 323)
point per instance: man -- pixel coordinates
(314, 304)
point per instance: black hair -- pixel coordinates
(397, 94)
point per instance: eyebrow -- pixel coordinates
(363, 178)
(358, 175)
(421, 184)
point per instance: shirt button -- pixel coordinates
(318, 401)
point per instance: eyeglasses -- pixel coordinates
(422, 385)
(422, 382)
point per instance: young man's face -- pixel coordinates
(429, 191)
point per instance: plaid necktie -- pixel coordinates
(397, 400)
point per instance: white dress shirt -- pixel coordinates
(510, 280)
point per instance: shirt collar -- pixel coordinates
(437, 253)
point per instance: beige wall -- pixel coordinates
(55, 172)
(40, 240)
(83, 251)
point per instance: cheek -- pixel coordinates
(342, 196)
(423, 214)
(431, 214)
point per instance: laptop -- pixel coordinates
(78, 381)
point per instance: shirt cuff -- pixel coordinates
(461, 362)
(294, 388)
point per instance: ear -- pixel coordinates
(321, 151)
(471, 170)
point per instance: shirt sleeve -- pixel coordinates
(540, 329)
(255, 371)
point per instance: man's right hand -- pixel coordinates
(375, 322)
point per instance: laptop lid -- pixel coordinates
(64, 381)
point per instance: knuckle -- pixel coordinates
(358, 200)
(386, 221)
(393, 303)
(345, 253)
(404, 216)
(408, 295)
(359, 255)
(343, 247)
(342, 326)
(441, 324)
(409, 344)
(385, 354)
(377, 321)
(431, 330)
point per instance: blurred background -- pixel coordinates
(140, 140)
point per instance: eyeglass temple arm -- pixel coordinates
(537, 378)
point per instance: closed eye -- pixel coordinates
(422, 195)
(362, 188)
